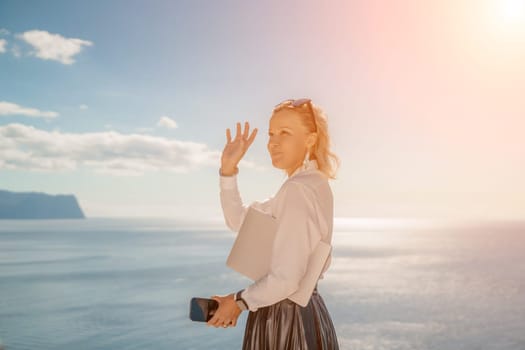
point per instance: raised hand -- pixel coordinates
(235, 149)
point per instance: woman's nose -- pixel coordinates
(272, 145)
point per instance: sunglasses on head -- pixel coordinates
(291, 103)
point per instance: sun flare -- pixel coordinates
(512, 11)
(509, 16)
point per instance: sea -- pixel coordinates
(126, 283)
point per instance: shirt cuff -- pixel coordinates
(248, 300)
(228, 182)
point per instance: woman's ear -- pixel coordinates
(311, 139)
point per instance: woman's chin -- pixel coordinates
(277, 163)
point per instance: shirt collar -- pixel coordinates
(310, 164)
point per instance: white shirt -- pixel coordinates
(303, 207)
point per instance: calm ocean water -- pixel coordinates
(126, 284)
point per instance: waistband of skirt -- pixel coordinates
(314, 292)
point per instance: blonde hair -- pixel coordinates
(327, 161)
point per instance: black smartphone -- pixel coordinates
(202, 309)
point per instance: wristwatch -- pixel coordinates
(240, 301)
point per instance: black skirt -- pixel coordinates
(287, 325)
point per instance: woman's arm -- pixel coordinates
(297, 234)
(232, 206)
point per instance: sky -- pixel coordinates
(126, 103)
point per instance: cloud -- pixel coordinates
(83, 106)
(167, 122)
(8, 108)
(16, 51)
(55, 47)
(28, 148)
(3, 43)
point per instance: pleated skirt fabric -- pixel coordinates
(287, 325)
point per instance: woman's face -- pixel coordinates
(288, 140)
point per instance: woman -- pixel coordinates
(300, 145)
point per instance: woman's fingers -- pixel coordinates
(252, 137)
(223, 316)
(215, 321)
(246, 130)
(238, 135)
(244, 135)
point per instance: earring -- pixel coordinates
(306, 159)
